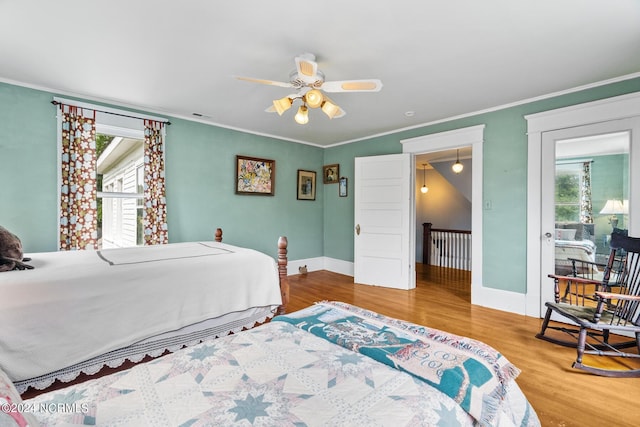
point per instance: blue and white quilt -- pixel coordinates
(472, 373)
(277, 374)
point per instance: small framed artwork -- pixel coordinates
(255, 176)
(330, 174)
(342, 188)
(306, 185)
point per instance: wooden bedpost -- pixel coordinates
(282, 272)
(218, 235)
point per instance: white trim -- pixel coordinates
(339, 266)
(474, 136)
(615, 108)
(499, 299)
(321, 263)
(492, 109)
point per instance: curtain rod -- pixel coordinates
(54, 102)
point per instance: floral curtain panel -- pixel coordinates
(155, 205)
(586, 209)
(78, 208)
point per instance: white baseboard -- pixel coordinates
(499, 299)
(321, 263)
(312, 264)
(339, 266)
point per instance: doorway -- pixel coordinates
(472, 137)
(444, 200)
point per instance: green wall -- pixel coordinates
(200, 168)
(504, 182)
(200, 162)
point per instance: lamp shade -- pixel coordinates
(614, 207)
(302, 116)
(330, 109)
(314, 98)
(283, 104)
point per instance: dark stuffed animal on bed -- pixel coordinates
(11, 252)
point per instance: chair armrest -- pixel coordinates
(576, 279)
(613, 295)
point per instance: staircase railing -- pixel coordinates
(446, 248)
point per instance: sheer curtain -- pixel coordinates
(155, 205)
(78, 190)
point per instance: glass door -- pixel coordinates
(585, 195)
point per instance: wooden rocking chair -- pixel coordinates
(613, 307)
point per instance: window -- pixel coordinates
(120, 177)
(107, 196)
(568, 191)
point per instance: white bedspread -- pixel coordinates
(76, 305)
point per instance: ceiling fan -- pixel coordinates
(310, 84)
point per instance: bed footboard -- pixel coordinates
(283, 261)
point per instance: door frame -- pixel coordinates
(615, 108)
(473, 136)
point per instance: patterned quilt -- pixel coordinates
(472, 373)
(274, 375)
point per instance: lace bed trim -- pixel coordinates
(136, 352)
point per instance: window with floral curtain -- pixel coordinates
(78, 211)
(155, 205)
(78, 222)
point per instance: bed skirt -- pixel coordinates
(155, 346)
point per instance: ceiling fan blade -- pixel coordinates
(264, 82)
(307, 67)
(369, 85)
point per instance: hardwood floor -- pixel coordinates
(561, 396)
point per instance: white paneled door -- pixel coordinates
(383, 214)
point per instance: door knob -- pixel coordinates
(358, 229)
(548, 235)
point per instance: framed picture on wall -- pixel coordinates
(255, 176)
(330, 174)
(306, 185)
(342, 188)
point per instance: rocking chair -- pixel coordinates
(613, 307)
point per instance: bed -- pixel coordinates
(76, 312)
(329, 364)
(574, 241)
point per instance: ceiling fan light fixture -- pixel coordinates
(302, 116)
(283, 104)
(314, 98)
(330, 109)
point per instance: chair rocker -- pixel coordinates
(613, 307)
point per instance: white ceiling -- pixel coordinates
(438, 59)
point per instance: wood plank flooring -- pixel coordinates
(561, 396)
